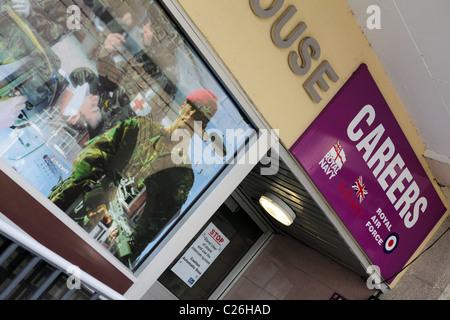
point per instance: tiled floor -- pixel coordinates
(287, 270)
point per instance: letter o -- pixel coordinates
(266, 13)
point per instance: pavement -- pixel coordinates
(428, 278)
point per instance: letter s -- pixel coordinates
(303, 47)
(422, 203)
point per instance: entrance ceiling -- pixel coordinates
(311, 226)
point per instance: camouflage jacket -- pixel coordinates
(15, 44)
(114, 105)
(137, 150)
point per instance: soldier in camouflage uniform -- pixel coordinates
(141, 151)
(142, 80)
(114, 106)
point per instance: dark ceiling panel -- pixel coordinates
(311, 227)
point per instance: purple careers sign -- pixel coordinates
(357, 155)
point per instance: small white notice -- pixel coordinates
(197, 259)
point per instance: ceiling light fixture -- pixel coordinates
(277, 208)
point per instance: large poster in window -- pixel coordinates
(107, 110)
(360, 160)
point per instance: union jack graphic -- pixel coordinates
(360, 189)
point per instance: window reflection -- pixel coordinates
(91, 96)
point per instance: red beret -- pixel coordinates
(205, 102)
(202, 97)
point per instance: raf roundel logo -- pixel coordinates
(390, 243)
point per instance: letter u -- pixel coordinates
(280, 23)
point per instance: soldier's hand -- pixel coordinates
(22, 7)
(114, 43)
(9, 110)
(147, 36)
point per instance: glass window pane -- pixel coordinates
(109, 112)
